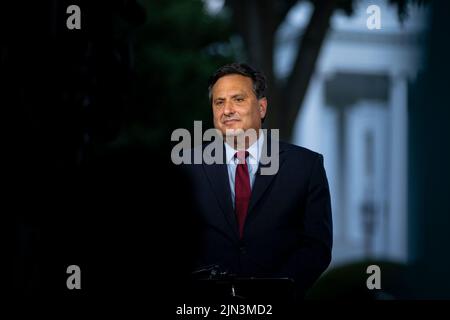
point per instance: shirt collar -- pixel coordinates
(254, 151)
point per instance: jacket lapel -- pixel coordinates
(218, 178)
(262, 182)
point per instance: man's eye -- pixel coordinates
(239, 99)
(219, 103)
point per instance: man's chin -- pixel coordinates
(233, 132)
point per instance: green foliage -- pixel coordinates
(348, 282)
(175, 52)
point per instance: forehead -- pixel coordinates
(232, 83)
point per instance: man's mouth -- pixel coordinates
(230, 121)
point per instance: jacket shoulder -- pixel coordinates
(298, 151)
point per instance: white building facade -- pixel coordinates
(355, 113)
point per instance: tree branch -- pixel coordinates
(282, 8)
(304, 66)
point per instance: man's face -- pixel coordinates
(235, 105)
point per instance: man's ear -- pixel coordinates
(262, 107)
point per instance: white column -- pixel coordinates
(317, 129)
(397, 219)
(308, 128)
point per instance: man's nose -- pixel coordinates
(228, 109)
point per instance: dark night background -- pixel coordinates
(88, 119)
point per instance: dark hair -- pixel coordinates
(258, 79)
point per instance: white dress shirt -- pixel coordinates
(254, 152)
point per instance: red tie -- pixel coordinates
(242, 189)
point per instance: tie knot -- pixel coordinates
(241, 156)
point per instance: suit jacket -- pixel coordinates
(288, 229)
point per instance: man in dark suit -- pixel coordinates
(255, 224)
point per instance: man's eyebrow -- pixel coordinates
(240, 94)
